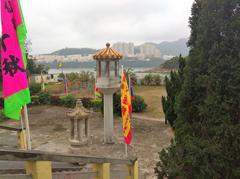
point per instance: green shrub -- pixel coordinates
(44, 98)
(96, 104)
(68, 101)
(35, 100)
(151, 80)
(1, 102)
(35, 88)
(138, 104)
(87, 102)
(55, 100)
(117, 104)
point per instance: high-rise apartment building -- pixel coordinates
(127, 49)
(150, 50)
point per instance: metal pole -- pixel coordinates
(95, 87)
(25, 113)
(65, 84)
(129, 82)
(126, 150)
(22, 126)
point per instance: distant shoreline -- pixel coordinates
(79, 70)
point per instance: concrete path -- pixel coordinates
(148, 118)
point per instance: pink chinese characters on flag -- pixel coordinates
(13, 59)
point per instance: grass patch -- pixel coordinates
(58, 89)
(152, 96)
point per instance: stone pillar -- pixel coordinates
(79, 125)
(79, 132)
(72, 129)
(108, 118)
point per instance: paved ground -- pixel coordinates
(140, 117)
(50, 132)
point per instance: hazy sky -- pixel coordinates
(55, 24)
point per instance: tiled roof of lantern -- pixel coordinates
(107, 54)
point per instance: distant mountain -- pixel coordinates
(174, 48)
(128, 63)
(74, 51)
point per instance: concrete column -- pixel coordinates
(103, 170)
(108, 118)
(80, 130)
(39, 169)
(72, 121)
(133, 172)
(86, 128)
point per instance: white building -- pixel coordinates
(126, 49)
(149, 50)
(59, 58)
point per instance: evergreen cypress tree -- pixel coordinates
(173, 87)
(207, 129)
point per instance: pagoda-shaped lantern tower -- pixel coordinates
(108, 81)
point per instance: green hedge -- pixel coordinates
(151, 80)
(96, 104)
(35, 100)
(69, 101)
(138, 104)
(55, 100)
(87, 102)
(44, 98)
(35, 88)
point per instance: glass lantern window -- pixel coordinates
(104, 69)
(98, 69)
(112, 69)
(116, 69)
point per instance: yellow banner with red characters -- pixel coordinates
(126, 108)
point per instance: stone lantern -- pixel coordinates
(79, 131)
(108, 81)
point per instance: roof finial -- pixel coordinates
(108, 45)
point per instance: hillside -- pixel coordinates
(128, 63)
(166, 67)
(174, 48)
(74, 51)
(170, 64)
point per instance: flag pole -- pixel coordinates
(65, 84)
(126, 150)
(22, 125)
(129, 81)
(25, 113)
(95, 79)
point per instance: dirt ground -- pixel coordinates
(50, 132)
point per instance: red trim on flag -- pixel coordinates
(129, 137)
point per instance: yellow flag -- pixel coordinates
(126, 110)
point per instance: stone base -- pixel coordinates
(109, 142)
(77, 143)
